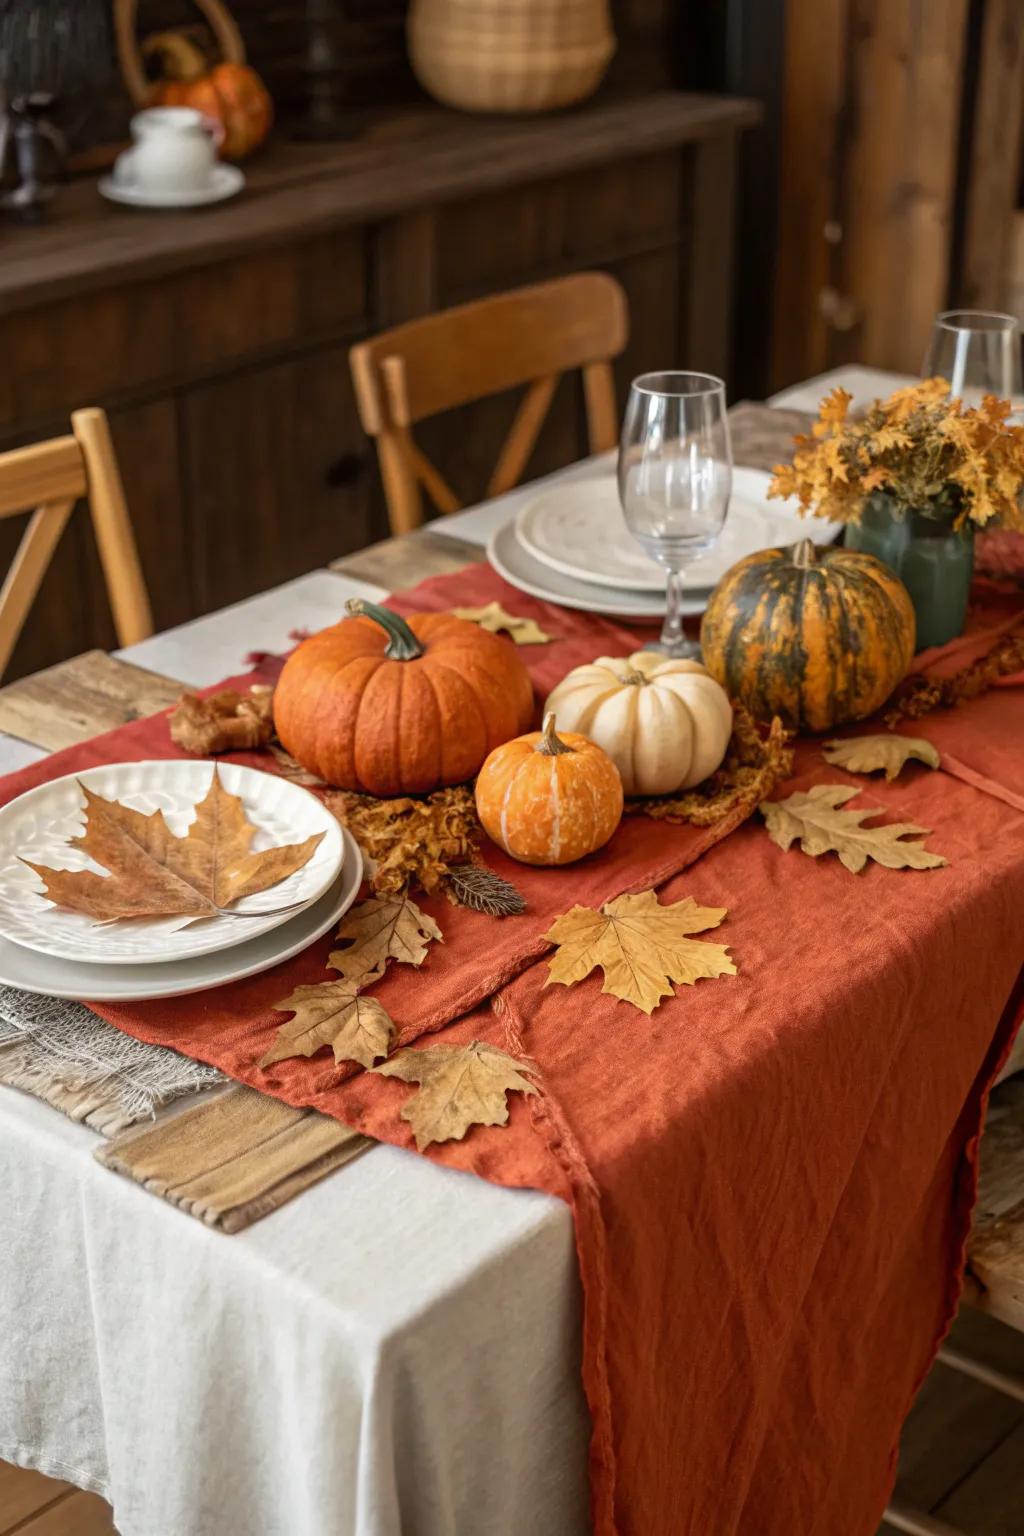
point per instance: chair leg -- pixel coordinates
(999, 1381)
(914, 1523)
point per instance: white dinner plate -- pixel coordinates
(38, 825)
(140, 983)
(524, 571)
(578, 530)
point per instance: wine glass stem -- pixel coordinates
(672, 629)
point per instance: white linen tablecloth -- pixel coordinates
(395, 1352)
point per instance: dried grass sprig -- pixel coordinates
(410, 841)
(754, 765)
(924, 694)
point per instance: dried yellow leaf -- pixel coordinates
(332, 1013)
(494, 617)
(817, 819)
(867, 754)
(640, 945)
(378, 930)
(460, 1086)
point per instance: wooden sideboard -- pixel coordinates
(218, 340)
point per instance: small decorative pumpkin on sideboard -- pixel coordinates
(392, 706)
(229, 91)
(665, 723)
(820, 637)
(548, 798)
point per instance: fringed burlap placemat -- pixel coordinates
(60, 1052)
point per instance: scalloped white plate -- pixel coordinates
(140, 983)
(578, 530)
(38, 824)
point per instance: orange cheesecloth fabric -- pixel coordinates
(772, 1176)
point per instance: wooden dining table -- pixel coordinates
(301, 1376)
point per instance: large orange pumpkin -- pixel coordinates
(819, 637)
(231, 93)
(549, 799)
(393, 706)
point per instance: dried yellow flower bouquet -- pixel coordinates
(925, 452)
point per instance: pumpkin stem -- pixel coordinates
(402, 643)
(550, 744)
(636, 678)
(805, 557)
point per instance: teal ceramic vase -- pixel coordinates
(934, 562)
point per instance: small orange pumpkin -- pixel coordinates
(230, 92)
(397, 707)
(549, 799)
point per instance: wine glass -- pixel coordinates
(675, 479)
(977, 351)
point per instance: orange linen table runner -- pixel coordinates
(772, 1176)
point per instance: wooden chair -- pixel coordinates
(530, 336)
(50, 477)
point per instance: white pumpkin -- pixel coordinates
(665, 724)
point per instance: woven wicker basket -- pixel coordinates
(510, 55)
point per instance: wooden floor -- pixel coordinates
(962, 1459)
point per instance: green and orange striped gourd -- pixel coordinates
(819, 637)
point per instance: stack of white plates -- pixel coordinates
(44, 948)
(571, 546)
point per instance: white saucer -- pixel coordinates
(578, 530)
(138, 983)
(524, 571)
(225, 181)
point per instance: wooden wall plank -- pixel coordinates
(897, 217)
(812, 102)
(995, 159)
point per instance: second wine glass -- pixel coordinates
(675, 480)
(978, 351)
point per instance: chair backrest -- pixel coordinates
(48, 478)
(530, 336)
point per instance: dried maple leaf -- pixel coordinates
(153, 873)
(640, 945)
(866, 754)
(815, 818)
(224, 722)
(380, 929)
(460, 1086)
(332, 1013)
(494, 617)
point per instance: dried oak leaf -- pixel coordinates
(494, 617)
(332, 1013)
(153, 873)
(640, 945)
(380, 929)
(460, 1086)
(816, 818)
(866, 754)
(224, 722)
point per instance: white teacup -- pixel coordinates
(174, 153)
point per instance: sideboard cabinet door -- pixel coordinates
(277, 476)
